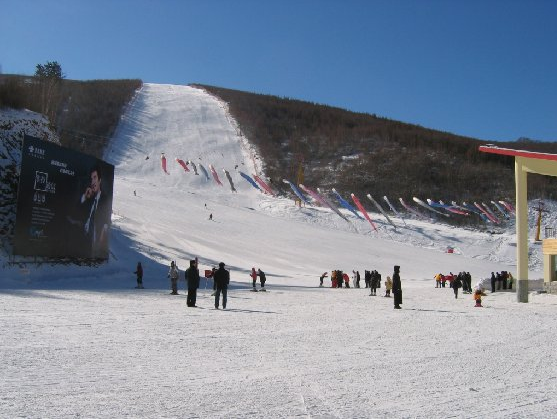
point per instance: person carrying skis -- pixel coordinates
(139, 273)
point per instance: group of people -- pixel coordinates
(338, 278)
(262, 278)
(191, 276)
(502, 280)
(372, 280)
(462, 280)
(221, 280)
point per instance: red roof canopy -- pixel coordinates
(517, 153)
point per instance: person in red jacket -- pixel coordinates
(346, 280)
(253, 275)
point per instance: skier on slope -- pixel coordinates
(163, 163)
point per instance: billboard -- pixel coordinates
(64, 202)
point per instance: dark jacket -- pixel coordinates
(397, 287)
(221, 278)
(192, 276)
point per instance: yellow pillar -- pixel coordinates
(520, 176)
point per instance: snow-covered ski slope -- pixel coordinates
(81, 341)
(168, 217)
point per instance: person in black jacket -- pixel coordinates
(222, 279)
(192, 277)
(397, 288)
(493, 281)
(139, 273)
(262, 278)
(457, 283)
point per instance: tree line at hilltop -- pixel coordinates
(84, 114)
(363, 153)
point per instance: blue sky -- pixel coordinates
(485, 69)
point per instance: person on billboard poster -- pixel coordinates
(97, 215)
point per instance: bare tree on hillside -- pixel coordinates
(49, 79)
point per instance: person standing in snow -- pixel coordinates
(493, 281)
(334, 279)
(478, 296)
(456, 284)
(373, 282)
(212, 276)
(222, 279)
(192, 277)
(173, 275)
(388, 286)
(367, 278)
(253, 275)
(262, 278)
(323, 275)
(346, 279)
(139, 273)
(397, 287)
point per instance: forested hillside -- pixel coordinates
(334, 148)
(363, 153)
(84, 114)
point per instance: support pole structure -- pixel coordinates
(521, 230)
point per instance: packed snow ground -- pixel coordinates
(83, 342)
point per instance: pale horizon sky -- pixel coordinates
(484, 69)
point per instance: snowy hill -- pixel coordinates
(167, 218)
(81, 341)
(250, 228)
